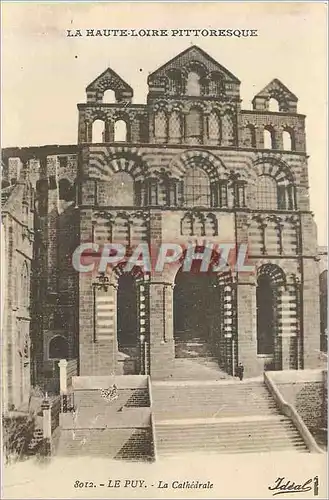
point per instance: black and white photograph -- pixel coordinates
(164, 250)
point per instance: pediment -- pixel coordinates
(109, 80)
(277, 90)
(189, 58)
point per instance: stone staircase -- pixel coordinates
(221, 417)
(118, 428)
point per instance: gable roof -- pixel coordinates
(276, 85)
(193, 54)
(109, 73)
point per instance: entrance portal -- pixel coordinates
(196, 314)
(127, 323)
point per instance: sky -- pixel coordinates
(45, 73)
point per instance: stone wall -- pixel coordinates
(306, 390)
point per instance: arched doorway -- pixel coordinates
(270, 282)
(265, 316)
(132, 329)
(196, 314)
(127, 322)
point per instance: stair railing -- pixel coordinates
(152, 418)
(290, 411)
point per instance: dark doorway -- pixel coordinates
(127, 312)
(265, 316)
(127, 323)
(196, 314)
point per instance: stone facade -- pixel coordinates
(188, 166)
(17, 232)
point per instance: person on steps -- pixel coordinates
(240, 370)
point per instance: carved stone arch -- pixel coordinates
(98, 114)
(120, 270)
(275, 168)
(211, 164)
(274, 272)
(105, 162)
(201, 106)
(195, 65)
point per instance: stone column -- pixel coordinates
(63, 376)
(162, 351)
(259, 132)
(205, 137)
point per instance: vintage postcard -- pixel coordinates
(164, 250)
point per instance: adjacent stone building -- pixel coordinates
(190, 165)
(17, 236)
(323, 270)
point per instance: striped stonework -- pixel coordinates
(105, 314)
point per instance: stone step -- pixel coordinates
(254, 439)
(211, 433)
(238, 450)
(239, 443)
(209, 436)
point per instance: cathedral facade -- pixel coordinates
(190, 165)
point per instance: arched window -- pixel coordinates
(196, 188)
(194, 126)
(193, 87)
(216, 84)
(175, 128)
(288, 140)
(120, 131)
(98, 131)
(109, 97)
(267, 193)
(160, 126)
(228, 129)
(214, 127)
(250, 136)
(175, 82)
(273, 105)
(269, 138)
(58, 348)
(121, 189)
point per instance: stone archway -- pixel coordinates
(131, 319)
(271, 282)
(196, 314)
